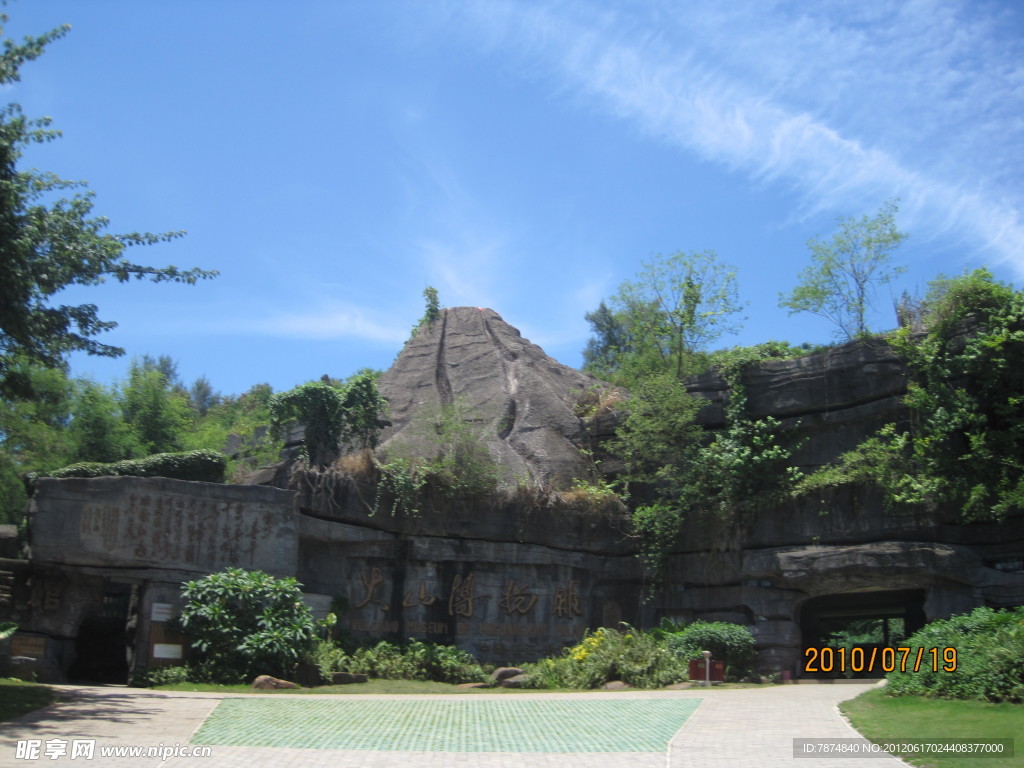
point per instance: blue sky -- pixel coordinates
(332, 159)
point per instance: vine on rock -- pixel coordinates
(687, 475)
(963, 448)
(331, 415)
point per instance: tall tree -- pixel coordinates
(609, 343)
(333, 416)
(677, 305)
(46, 246)
(202, 395)
(845, 271)
(158, 412)
(98, 431)
(34, 432)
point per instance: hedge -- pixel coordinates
(989, 660)
(204, 466)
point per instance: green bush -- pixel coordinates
(989, 648)
(329, 657)
(246, 623)
(169, 676)
(639, 659)
(203, 466)
(415, 660)
(731, 643)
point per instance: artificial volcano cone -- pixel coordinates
(521, 403)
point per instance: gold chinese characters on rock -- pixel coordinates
(464, 597)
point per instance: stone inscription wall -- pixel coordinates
(176, 529)
(504, 615)
(167, 524)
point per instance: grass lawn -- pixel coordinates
(18, 697)
(879, 718)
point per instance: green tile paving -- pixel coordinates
(523, 725)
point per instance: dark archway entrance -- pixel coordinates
(867, 619)
(102, 641)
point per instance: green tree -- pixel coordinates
(962, 447)
(246, 416)
(677, 306)
(967, 395)
(611, 341)
(98, 431)
(47, 245)
(246, 623)
(431, 310)
(845, 271)
(35, 432)
(157, 411)
(331, 415)
(688, 474)
(13, 496)
(202, 395)
(363, 406)
(660, 444)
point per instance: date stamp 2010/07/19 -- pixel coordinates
(876, 659)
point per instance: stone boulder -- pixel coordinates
(504, 673)
(516, 681)
(348, 678)
(525, 406)
(268, 683)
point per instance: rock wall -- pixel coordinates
(109, 555)
(517, 578)
(845, 550)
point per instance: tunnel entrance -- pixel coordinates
(869, 620)
(102, 641)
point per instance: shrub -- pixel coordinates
(989, 658)
(169, 676)
(416, 660)
(639, 659)
(246, 623)
(203, 466)
(731, 643)
(329, 657)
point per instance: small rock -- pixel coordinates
(503, 673)
(307, 675)
(347, 678)
(516, 681)
(474, 685)
(268, 683)
(614, 685)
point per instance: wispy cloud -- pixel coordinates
(845, 104)
(331, 320)
(465, 270)
(455, 241)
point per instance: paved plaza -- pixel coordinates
(740, 728)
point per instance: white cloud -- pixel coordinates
(332, 321)
(464, 269)
(847, 105)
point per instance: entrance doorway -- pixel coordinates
(869, 620)
(102, 641)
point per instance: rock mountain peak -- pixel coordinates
(521, 403)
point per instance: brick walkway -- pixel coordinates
(731, 727)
